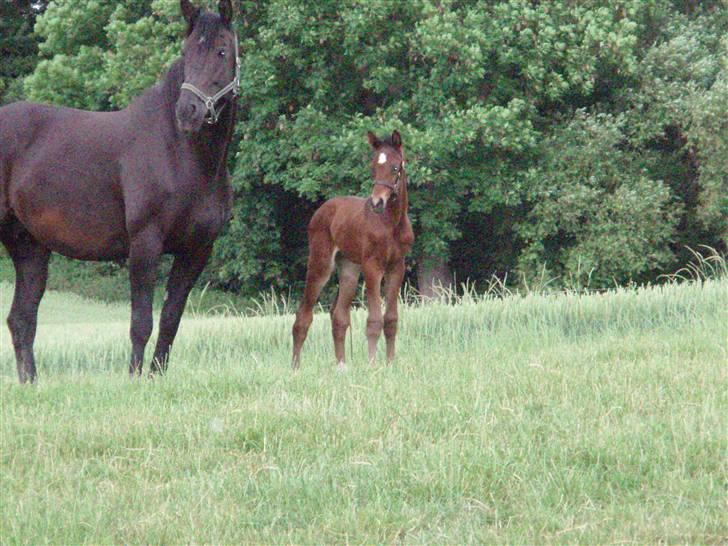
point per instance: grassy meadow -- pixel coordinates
(526, 419)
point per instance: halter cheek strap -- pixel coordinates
(213, 114)
(394, 188)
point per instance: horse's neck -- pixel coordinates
(211, 143)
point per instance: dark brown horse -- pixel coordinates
(128, 185)
(372, 235)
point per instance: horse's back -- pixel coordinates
(19, 125)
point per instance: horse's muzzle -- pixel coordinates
(190, 115)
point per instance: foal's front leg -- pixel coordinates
(144, 252)
(373, 274)
(185, 271)
(341, 310)
(392, 283)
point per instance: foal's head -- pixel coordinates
(387, 169)
(211, 66)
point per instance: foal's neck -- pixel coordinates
(210, 143)
(398, 207)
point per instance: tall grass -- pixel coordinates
(563, 417)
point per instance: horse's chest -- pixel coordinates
(205, 220)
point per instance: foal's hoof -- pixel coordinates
(341, 367)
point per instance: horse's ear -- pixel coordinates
(396, 139)
(374, 142)
(225, 7)
(190, 13)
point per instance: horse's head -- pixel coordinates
(387, 169)
(211, 65)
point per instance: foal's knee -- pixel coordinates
(374, 327)
(390, 327)
(339, 326)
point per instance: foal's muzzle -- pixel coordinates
(381, 194)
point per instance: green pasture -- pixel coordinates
(525, 419)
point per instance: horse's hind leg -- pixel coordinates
(31, 273)
(185, 271)
(320, 266)
(341, 310)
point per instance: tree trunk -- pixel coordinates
(433, 274)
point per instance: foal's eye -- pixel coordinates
(395, 169)
(221, 53)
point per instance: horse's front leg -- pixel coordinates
(144, 252)
(392, 283)
(373, 274)
(185, 271)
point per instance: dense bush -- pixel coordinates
(588, 138)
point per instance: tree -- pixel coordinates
(491, 98)
(18, 47)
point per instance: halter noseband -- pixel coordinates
(212, 114)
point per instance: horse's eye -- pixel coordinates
(221, 53)
(395, 169)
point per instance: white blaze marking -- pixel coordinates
(382, 158)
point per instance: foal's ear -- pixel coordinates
(374, 142)
(225, 7)
(396, 139)
(190, 13)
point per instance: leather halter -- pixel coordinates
(213, 114)
(394, 188)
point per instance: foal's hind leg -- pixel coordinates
(320, 266)
(31, 273)
(341, 311)
(185, 271)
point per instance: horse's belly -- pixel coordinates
(84, 238)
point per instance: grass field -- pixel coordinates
(565, 418)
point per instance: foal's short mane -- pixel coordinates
(387, 141)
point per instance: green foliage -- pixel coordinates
(595, 216)
(678, 113)
(18, 47)
(484, 94)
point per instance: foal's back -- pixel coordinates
(355, 230)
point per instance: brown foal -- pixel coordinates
(372, 235)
